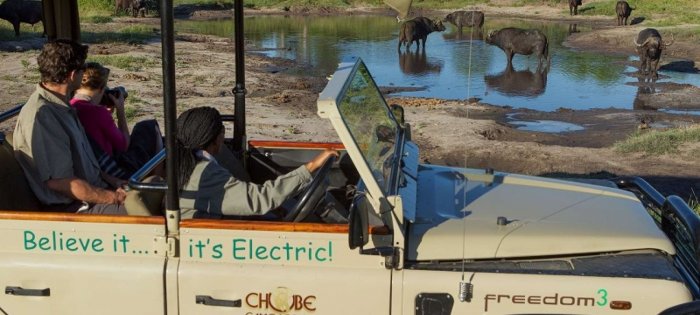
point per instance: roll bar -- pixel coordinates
(677, 221)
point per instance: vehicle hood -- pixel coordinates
(458, 210)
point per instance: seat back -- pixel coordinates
(145, 203)
(15, 193)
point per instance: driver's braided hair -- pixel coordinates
(197, 128)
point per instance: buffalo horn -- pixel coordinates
(644, 43)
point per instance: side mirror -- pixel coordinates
(358, 223)
(398, 112)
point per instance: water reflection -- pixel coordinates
(454, 66)
(473, 34)
(416, 62)
(518, 83)
(646, 86)
(573, 28)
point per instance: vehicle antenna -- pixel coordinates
(466, 288)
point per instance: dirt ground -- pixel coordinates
(459, 133)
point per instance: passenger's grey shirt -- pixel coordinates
(50, 143)
(212, 192)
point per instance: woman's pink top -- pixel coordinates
(99, 125)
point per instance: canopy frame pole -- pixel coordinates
(239, 91)
(172, 202)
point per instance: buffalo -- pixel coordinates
(623, 10)
(138, 7)
(417, 29)
(573, 6)
(518, 83)
(649, 46)
(520, 41)
(465, 18)
(16, 11)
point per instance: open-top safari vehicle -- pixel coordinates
(375, 233)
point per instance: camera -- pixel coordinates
(116, 92)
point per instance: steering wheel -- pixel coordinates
(309, 198)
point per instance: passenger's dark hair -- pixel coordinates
(197, 128)
(95, 76)
(59, 58)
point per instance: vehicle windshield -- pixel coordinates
(371, 124)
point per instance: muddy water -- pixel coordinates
(453, 66)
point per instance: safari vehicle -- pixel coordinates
(376, 232)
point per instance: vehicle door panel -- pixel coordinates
(269, 268)
(88, 267)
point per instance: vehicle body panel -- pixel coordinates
(83, 264)
(542, 217)
(271, 270)
(505, 293)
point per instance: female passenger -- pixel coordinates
(112, 141)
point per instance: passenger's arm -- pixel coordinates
(122, 123)
(79, 189)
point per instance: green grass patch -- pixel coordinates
(135, 34)
(129, 63)
(204, 2)
(659, 142)
(520, 3)
(654, 12)
(694, 202)
(134, 99)
(98, 19)
(7, 32)
(95, 7)
(685, 33)
(131, 112)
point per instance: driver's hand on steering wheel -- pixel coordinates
(318, 161)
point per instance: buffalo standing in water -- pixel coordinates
(518, 83)
(623, 10)
(649, 46)
(16, 11)
(520, 41)
(465, 18)
(417, 30)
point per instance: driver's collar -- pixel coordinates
(204, 155)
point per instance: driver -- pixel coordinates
(208, 190)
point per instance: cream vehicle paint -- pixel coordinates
(274, 272)
(51, 265)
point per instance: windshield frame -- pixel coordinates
(329, 107)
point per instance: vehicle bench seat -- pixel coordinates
(15, 193)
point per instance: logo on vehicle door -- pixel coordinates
(281, 300)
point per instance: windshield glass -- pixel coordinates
(370, 123)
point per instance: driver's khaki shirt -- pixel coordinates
(50, 143)
(212, 192)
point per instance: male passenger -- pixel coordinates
(50, 143)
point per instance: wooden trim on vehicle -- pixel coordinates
(74, 217)
(275, 226)
(296, 144)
